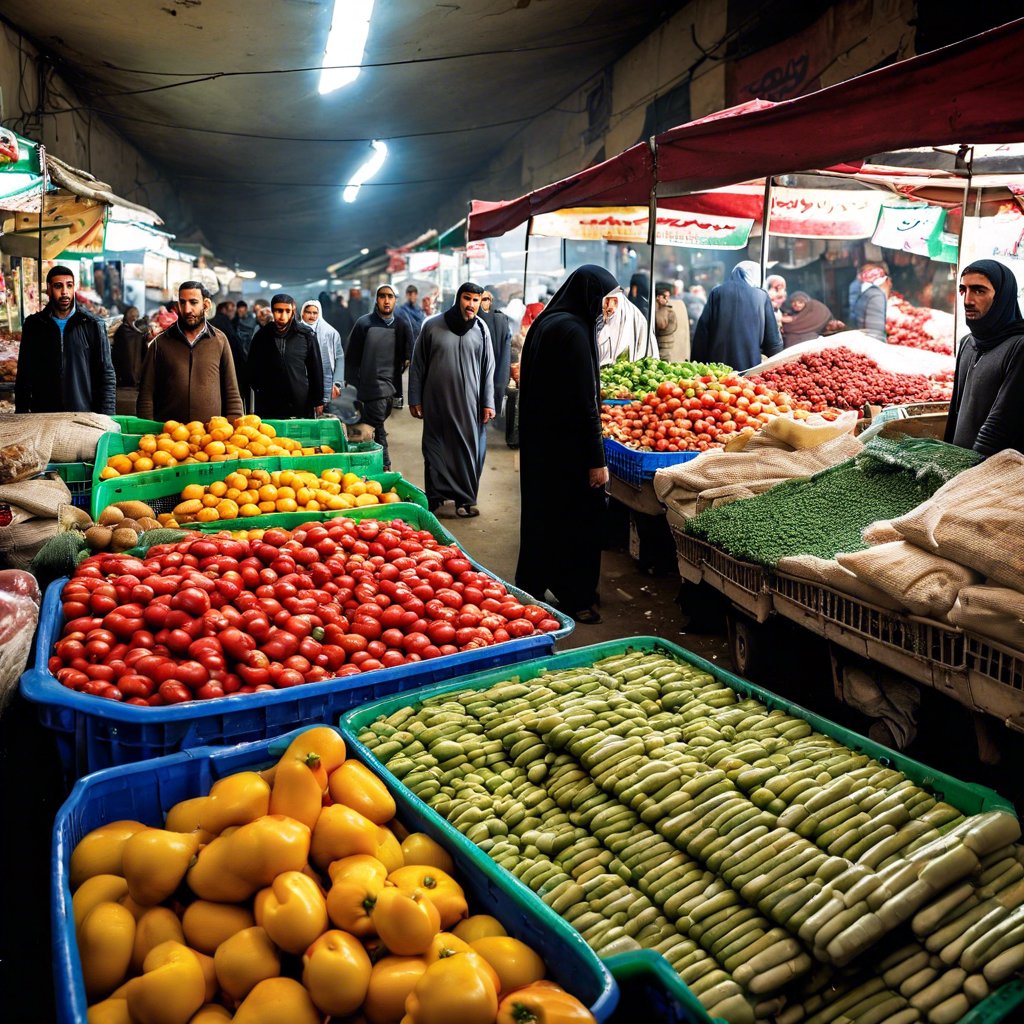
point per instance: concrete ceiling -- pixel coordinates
(222, 96)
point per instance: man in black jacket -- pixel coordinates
(284, 366)
(379, 349)
(986, 412)
(64, 364)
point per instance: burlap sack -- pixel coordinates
(923, 583)
(679, 487)
(830, 573)
(881, 532)
(37, 497)
(977, 519)
(995, 612)
(59, 436)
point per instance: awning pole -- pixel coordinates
(42, 200)
(652, 224)
(766, 214)
(526, 257)
(960, 238)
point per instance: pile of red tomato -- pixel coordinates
(211, 616)
(692, 415)
(907, 325)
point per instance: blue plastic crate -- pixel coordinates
(634, 467)
(145, 792)
(650, 990)
(77, 476)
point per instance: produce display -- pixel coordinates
(292, 895)
(784, 876)
(826, 513)
(844, 379)
(693, 415)
(182, 444)
(210, 615)
(914, 327)
(623, 379)
(10, 344)
(254, 492)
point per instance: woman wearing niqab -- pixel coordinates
(622, 330)
(561, 450)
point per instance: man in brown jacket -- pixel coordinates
(188, 373)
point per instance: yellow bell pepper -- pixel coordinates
(209, 974)
(476, 926)
(350, 903)
(391, 981)
(98, 889)
(158, 924)
(406, 922)
(389, 850)
(244, 960)
(278, 1001)
(170, 989)
(452, 989)
(232, 868)
(322, 741)
(342, 832)
(355, 786)
(211, 1013)
(516, 964)
(358, 866)
(297, 792)
(419, 848)
(105, 941)
(336, 973)
(185, 815)
(99, 852)
(154, 862)
(542, 1002)
(207, 925)
(108, 1011)
(443, 891)
(445, 945)
(292, 910)
(234, 800)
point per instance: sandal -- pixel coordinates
(467, 511)
(589, 616)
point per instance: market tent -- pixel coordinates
(910, 103)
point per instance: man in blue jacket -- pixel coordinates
(64, 364)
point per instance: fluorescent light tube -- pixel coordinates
(373, 164)
(350, 25)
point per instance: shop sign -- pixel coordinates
(476, 250)
(915, 229)
(19, 164)
(629, 224)
(824, 213)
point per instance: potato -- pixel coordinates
(123, 539)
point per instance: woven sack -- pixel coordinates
(830, 573)
(58, 436)
(923, 583)
(880, 532)
(995, 612)
(977, 519)
(37, 497)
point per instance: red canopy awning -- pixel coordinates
(966, 92)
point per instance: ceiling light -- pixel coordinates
(350, 25)
(247, 274)
(364, 252)
(372, 165)
(276, 284)
(263, 284)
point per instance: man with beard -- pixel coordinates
(451, 388)
(285, 368)
(986, 412)
(378, 353)
(501, 338)
(64, 364)
(189, 373)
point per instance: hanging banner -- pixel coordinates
(629, 224)
(19, 164)
(915, 229)
(824, 212)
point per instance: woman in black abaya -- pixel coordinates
(561, 451)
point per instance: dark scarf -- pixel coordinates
(1003, 320)
(453, 317)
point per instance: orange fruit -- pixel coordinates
(336, 502)
(238, 440)
(120, 463)
(366, 499)
(191, 491)
(147, 443)
(215, 447)
(373, 487)
(332, 476)
(286, 505)
(237, 480)
(162, 458)
(195, 427)
(143, 465)
(227, 509)
(201, 457)
(266, 430)
(223, 457)
(210, 500)
(108, 473)
(207, 515)
(356, 489)
(180, 450)
(268, 492)
(170, 425)
(389, 498)
(219, 488)
(286, 492)
(257, 449)
(248, 510)
(164, 443)
(312, 506)
(179, 433)
(267, 506)
(307, 451)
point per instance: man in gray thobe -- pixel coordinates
(451, 388)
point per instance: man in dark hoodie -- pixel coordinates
(65, 363)
(986, 412)
(379, 349)
(284, 367)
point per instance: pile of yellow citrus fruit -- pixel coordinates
(257, 492)
(181, 444)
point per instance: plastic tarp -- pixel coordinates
(966, 92)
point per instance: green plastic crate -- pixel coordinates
(967, 797)
(365, 458)
(327, 430)
(162, 490)
(78, 477)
